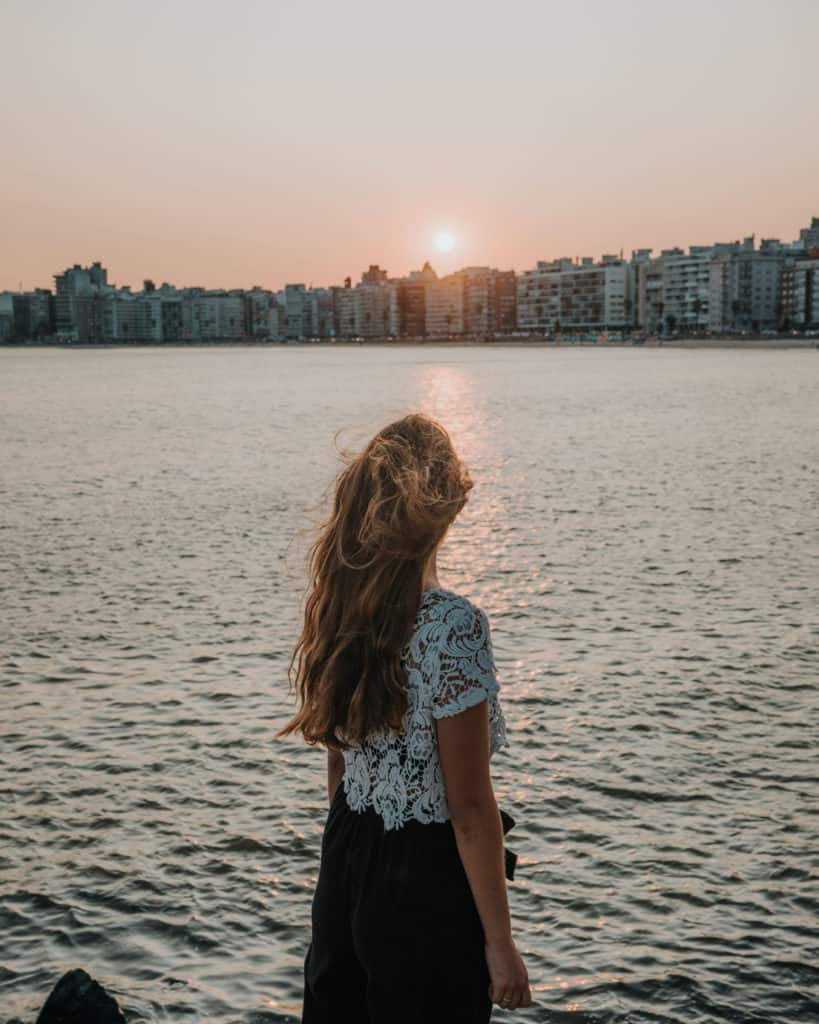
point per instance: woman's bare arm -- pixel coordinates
(335, 772)
(463, 745)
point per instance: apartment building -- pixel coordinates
(376, 309)
(489, 301)
(444, 306)
(562, 295)
(7, 327)
(28, 315)
(344, 305)
(75, 283)
(300, 312)
(211, 316)
(809, 237)
(745, 285)
(412, 302)
(799, 289)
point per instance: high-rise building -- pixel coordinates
(7, 326)
(344, 310)
(412, 302)
(561, 295)
(212, 316)
(324, 312)
(489, 301)
(744, 293)
(727, 286)
(376, 307)
(809, 237)
(33, 314)
(444, 306)
(257, 305)
(299, 310)
(73, 317)
(799, 289)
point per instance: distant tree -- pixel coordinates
(148, 285)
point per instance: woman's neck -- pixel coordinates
(429, 580)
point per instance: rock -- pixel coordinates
(78, 999)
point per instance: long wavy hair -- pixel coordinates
(394, 502)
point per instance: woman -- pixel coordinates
(395, 677)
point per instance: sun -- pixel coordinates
(444, 241)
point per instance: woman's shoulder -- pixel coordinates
(458, 614)
(441, 599)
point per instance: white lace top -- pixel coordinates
(450, 667)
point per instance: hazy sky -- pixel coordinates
(262, 143)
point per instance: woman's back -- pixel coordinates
(450, 666)
(410, 918)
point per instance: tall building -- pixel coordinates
(7, 327)
(78, 283)
(300, 311)
(745, 285)
(257, 303)
(344, 310)
(489, 301)
(375, 275)
(444, 306)
(324, 312)
(800, 294)
(212, 316)
(727, 286)
(33, 314)
(561, 295)
(809, 237)
(412, 302)
(172, 316)
(686, 295)
(538, 298)
(116, 315)
(504, 301)
(376, 309)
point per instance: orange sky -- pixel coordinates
(302, 142)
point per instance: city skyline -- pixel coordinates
(438, 260)
(291, 143)
(717, 288)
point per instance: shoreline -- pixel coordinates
(679, 343)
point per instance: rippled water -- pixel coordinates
(644, 535)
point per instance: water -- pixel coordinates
(643, 534)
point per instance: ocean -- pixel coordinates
(643, 535)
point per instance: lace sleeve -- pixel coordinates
(466, 665)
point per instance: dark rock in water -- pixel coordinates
(78, 999)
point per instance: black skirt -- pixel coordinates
(396, 936)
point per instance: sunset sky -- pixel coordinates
(269, 142)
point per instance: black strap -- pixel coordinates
(510, 859)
